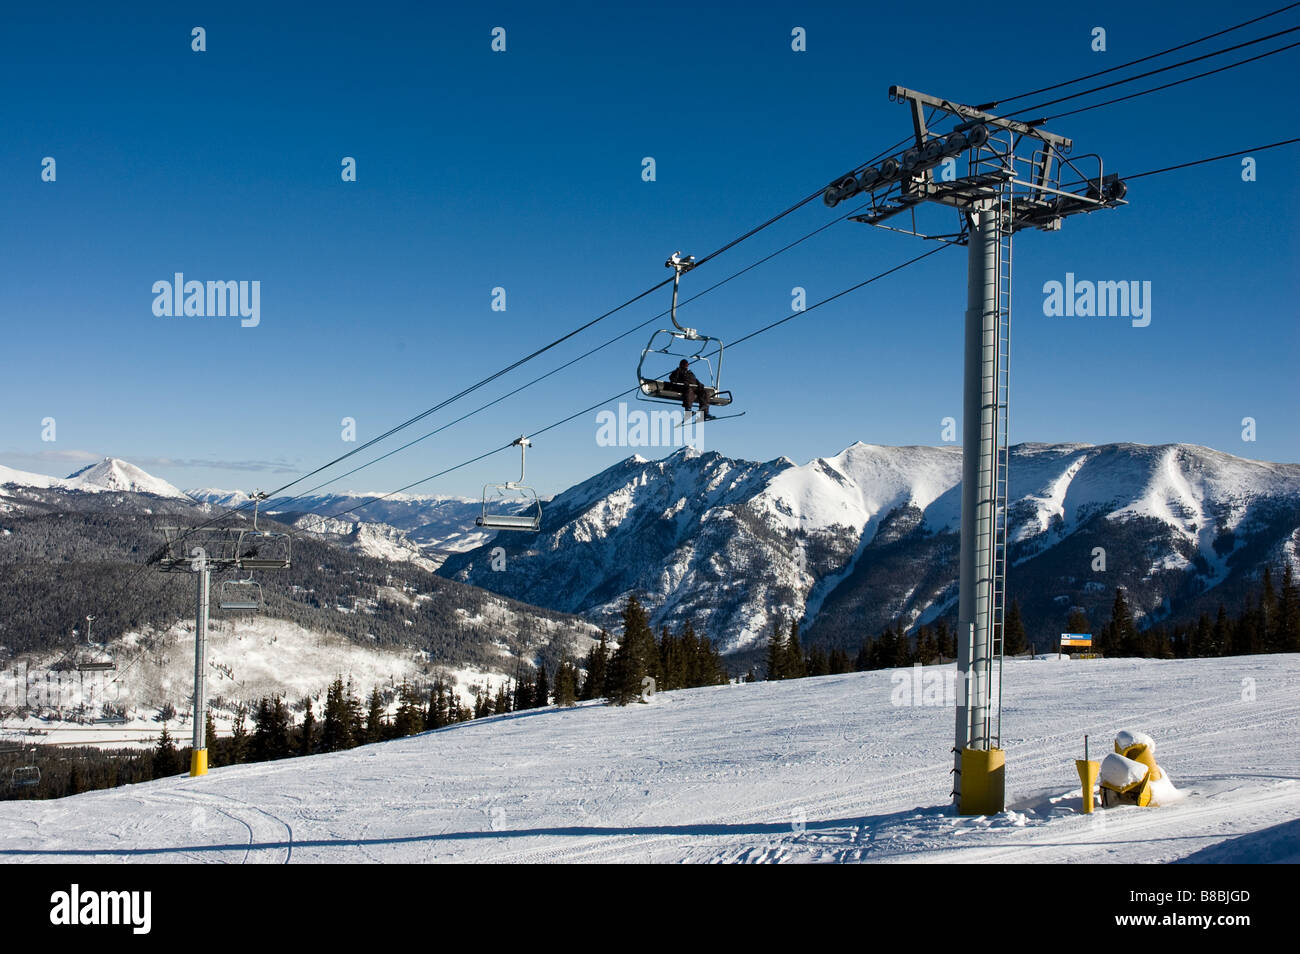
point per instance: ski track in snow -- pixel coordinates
(815, 770)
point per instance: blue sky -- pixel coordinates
(522, 170)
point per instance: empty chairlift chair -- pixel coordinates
(258, 549)
(527, 511)
(245, 595)
(92, 658)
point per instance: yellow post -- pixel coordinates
(1088, 769)
(198, 762)
(983, 781)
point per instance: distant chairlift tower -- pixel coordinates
(1013, 180)
(200, 550)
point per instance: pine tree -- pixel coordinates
(410, 717)
(541, 689)
(210, 739)
(356, 722)
(438, 714)
(166, 760)
(776, 652)
(336, 732)
(374, 730)
(237, 750)
(566, 684)
(523, 695)
(1198, 641)
(1267, 628)
(278, 744)
(1120, 636)
(307, 736)
(862, 662)
(796, 667)
(840, 662)
(1220, 635)
(260, 750)
(1014, 642)
(1077, 622)
(597, 669)
(636, 658)
(1287, 639)
(945, 640)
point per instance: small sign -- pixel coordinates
(1076, 639)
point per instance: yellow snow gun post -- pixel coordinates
(983, 781)
(1087, 769)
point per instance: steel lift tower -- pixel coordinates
(1012, 181)
(200, 550)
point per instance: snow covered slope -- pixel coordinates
(806, 770)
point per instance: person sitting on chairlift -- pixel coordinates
(691, 387)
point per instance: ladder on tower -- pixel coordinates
(1000, 485)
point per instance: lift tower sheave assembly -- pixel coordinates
(1012, 181)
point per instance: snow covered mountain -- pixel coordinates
(853, 542)
(109, 475)
(426, 527)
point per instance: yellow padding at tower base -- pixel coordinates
(199, 762)
(1088, 770)
(983, 781)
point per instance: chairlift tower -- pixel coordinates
(1012, 181)
(200, 550)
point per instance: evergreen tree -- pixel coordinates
(566, 684)
(260, 749)
(438, 714)
(1287, 639)
(1266, 631)
(1078, 621)
(863, 660)
(1120, 636)
(795, 665)
(819, 663)
(1014, 642)
(307, 737)
(336, 731)
(410, 717)
(776, 653)
(374, 730)
(523, 694)
(237, 749)
(541, 689)
(840, 662)
(1220, 635)
(597, 670)
(1198, 643)
(210, 739)
(945, 639)
(278, 744)
(636, 658)
(166, 760)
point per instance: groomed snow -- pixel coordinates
(810, 770)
